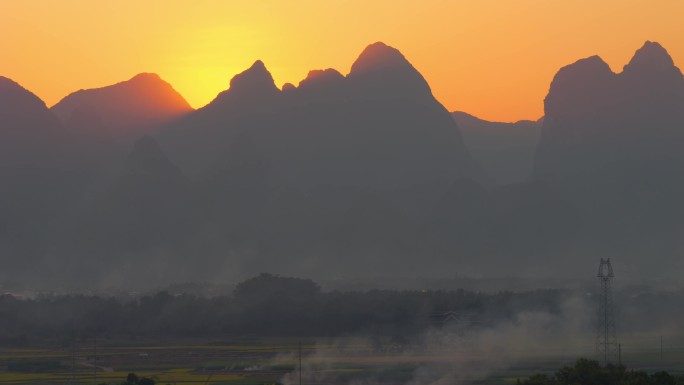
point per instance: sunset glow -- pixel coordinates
(493, 59)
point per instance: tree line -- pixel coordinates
(266, 305)
(589, 372)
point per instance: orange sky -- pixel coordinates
(492, 58)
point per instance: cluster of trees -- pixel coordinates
(264, 305)
(133, 379)
(588, 372)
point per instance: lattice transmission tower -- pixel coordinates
(606, 338)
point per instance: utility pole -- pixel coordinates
(661, 349)
(300, 363)
(73, 360)
(95, 359)
(619, 354)
(606, 341)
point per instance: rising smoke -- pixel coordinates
(453, 356)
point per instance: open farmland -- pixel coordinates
(271, 361)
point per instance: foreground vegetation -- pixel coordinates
(588, 372)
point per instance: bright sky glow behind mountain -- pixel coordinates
(493, 59)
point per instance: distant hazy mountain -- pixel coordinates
(612, 145)
(458, 232)
(505, 150)
(29, 133)
(126, 110)
(378, 130)
(38, 178)
(594, 117)
(320, 150)
(357, 174)
(137, 224)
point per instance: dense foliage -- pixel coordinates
(588, 372)
(264, 305)
(133, 379)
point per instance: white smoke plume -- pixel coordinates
(452, 357)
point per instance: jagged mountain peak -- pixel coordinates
(254, 84)
(254, 79)
(579, 87)
(383, 72)
(17, 100)
(146, 77)
(124, 110)
(142, 84)
(651, 57)
(379, 56)
(596, 117)
(590, 68)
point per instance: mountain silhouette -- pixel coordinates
(122, 111)
(198, 140)
(371, 236)
(652, 63)
(39, 179)
(382, 72)
(19, 106)
(459, 229)
(321, 86)
(349, 132)
(146, 212)
(359, 172)
(321, 79)
(29, 133)
(147, 160)
(319, 149)
(505, 150)
(254, 86)
(594, 116)
(612, 145)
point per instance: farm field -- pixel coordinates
(258, 361)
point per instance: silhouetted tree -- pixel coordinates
(588, 372)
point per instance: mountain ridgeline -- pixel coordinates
(505, 150)
(123, 111)
(364, 174)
